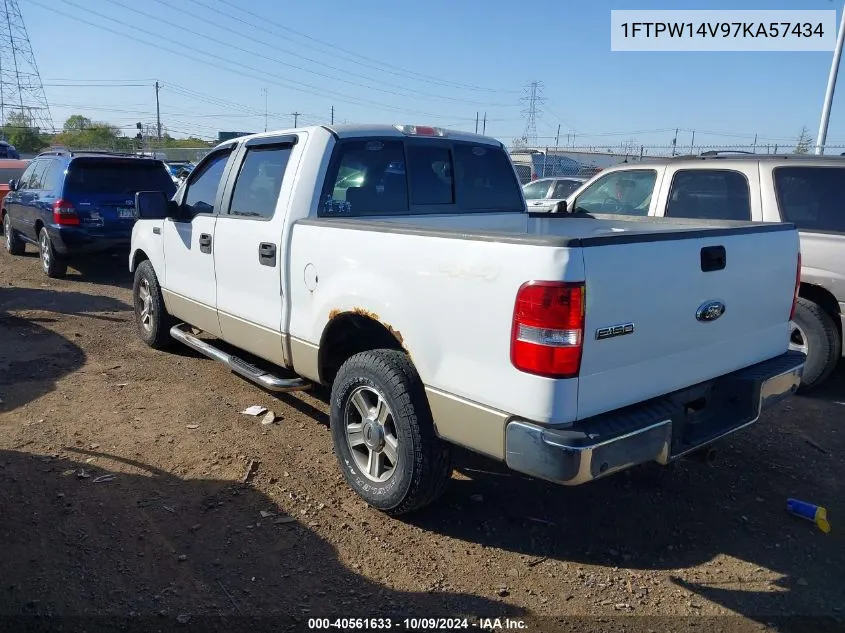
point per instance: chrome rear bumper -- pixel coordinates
(660, 430)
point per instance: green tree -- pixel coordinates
(20, 131)
(81, 132)
(802, 146)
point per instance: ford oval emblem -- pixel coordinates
(710, 311)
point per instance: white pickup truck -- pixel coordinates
(398, 265)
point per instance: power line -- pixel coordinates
(379, 65)
(309, 89)
(427, 95)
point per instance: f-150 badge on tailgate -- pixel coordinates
(614, 330)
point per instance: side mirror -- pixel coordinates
(13, 184)
(154, 205)
(560, 207)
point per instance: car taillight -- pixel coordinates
(797, 288)
(548, 328)
(64, 213)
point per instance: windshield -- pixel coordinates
(118, 177)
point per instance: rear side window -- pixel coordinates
(37, 179)
(812, 198)
(371, 177)
(117, 177)
(709, 194)
(259, 181)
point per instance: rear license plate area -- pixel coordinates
(706, 412)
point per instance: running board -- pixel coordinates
(260, 377)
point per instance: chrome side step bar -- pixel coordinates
(260, 377)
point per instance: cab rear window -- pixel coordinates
(388, 177)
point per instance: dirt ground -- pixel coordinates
(121, 497)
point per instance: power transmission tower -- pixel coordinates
(21, 89)
(533, 98)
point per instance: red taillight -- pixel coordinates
(797, 288)
(548, 328)
(64, 213)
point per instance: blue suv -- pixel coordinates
(78, 203)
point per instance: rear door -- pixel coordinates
(28, 199)
(102, 189)
(652, 291)
(249, 256)
(190, 289)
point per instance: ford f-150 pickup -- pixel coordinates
(398, 265)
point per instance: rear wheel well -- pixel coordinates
(348, 334)
(824, 299)
(38, 226)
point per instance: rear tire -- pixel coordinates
(152, 320)
(383, 433)
(816, 335)
(14, 244)
(51, 262)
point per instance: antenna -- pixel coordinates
(22, 98)
(533, 99)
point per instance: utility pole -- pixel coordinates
(265, 109)
(158, 113)
(557, 136)
(675, 141)
(296, 116)
(484, 124)
(754, 147)
(332, 115)
(692, 143)
(476, 122)
(831, 86)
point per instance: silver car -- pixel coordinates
(544, 194)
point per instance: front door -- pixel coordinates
(189, 288)
(248, 246)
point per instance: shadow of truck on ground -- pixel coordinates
(88, 551)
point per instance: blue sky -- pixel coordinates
(438, 61)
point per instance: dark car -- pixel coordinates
(7, 150)
(78, 203)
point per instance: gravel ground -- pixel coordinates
(122, 495)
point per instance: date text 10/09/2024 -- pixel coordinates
(415, 624)
(722, 29)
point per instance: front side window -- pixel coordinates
(619, 192)
(709, 194)
(259, 181)
(536, 190)
(812, 198)
(202, 190)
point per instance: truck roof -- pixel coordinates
(368, 130)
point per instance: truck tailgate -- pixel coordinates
(643, 336)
